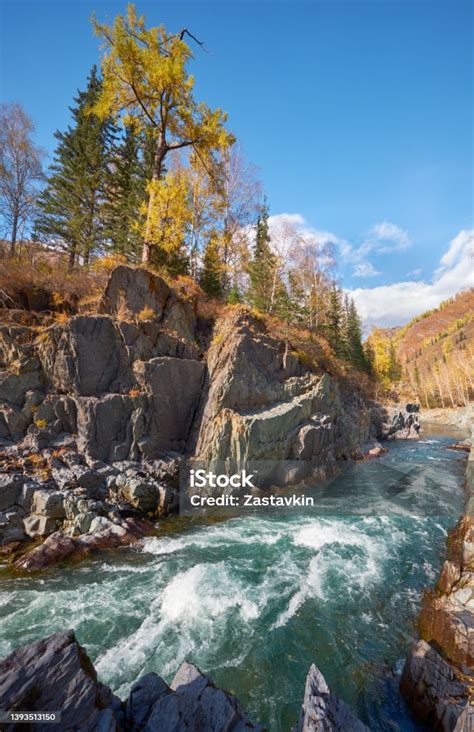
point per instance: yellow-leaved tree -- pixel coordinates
(146, 83)
(169, 219)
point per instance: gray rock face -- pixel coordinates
(195, 704)
(131, 292)
(323, 711)
(85, 356)
(437, 696)
(397, 423)
(56, 674)
(10, 488)
(173, 387)
(263, 404)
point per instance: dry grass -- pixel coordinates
(44, 283)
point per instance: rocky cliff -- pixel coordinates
(97, 413)
(438, 676)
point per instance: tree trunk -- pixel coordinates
(14, 235)
(72, 257)
(156, 176)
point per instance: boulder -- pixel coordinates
(10, 489)
(11, 525)
(48, 503)
(323, 711)
(395, 423)
(103, 534)
(192, 702)
(36, 526)
(55, 674)
(132, 293)
(142, 492)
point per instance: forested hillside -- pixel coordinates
(432, 356)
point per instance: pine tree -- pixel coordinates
(211, 274)
(334, 319)
(71, 205)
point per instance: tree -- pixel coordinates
(71, 205)
(394, 370)
(353, 338)
(334, 319)
(211, 274)
(126, 191)
(170, 220)
(147, 85)
(20, 169)
(263, 268)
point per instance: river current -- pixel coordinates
(254, 600)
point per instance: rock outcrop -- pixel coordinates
(98, 413)
(438, 676)
(263, 404)
(323, 711)
(55, 674)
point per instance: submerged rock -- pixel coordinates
(323, 711)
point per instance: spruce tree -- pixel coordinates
(71, 205)
(211, 274)
(394, 371)
(262, 268)
(126, 192)
(353, 338)
(334, 320)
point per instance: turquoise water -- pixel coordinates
(254, 600)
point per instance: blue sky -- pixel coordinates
(357, 113)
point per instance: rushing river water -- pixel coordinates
(254, 600)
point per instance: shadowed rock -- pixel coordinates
(55, 675)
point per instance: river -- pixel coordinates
(254, 600)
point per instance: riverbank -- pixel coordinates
(438, 676)
(461, 417)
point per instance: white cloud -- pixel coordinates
(365, 269)
(414, 272)
(387, 237)
(382, 238)
(396, 304)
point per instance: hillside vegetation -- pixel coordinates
(432, 356)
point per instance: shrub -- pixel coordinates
(146, 314)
